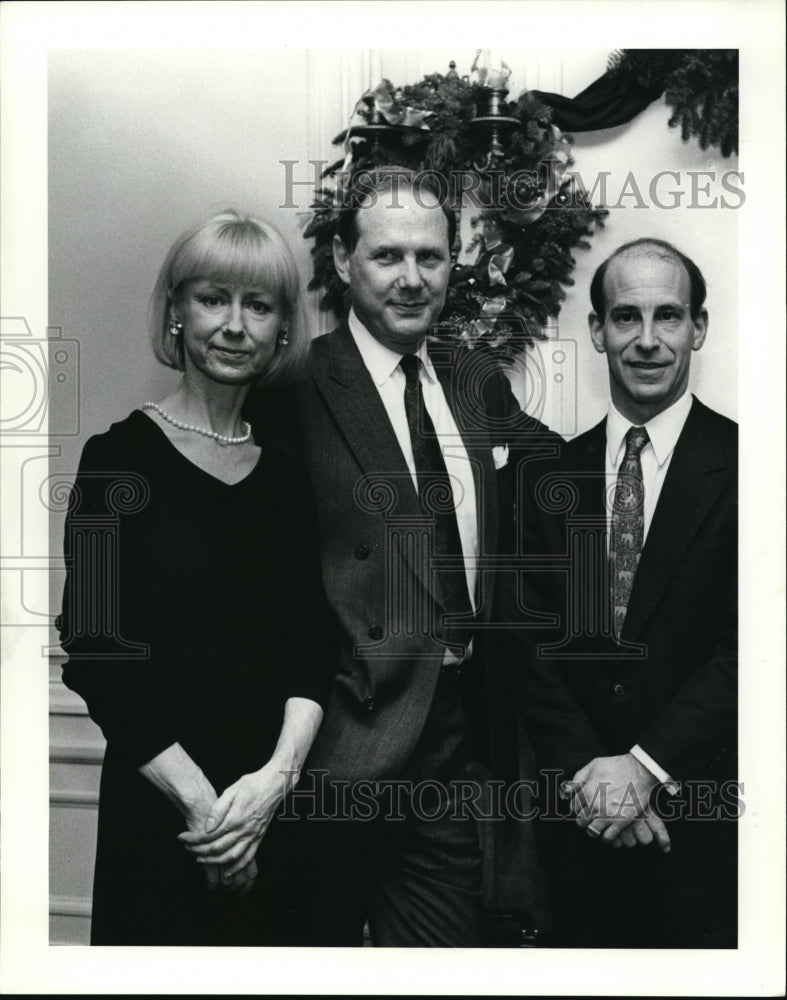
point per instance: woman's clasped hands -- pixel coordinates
(226, 837)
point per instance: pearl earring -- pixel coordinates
(283, 338)
(175, 326)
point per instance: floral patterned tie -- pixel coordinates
(628, 526)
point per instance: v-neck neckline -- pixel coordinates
(164, 437)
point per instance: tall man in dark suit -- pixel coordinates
(406, 446)
(630, 699)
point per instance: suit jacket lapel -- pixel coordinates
(697, 474)
(355, 403)
(352, 397)
(593, 483)
(584, 467)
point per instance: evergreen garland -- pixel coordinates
(700, 85)
(503, 300)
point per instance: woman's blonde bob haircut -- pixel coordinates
(234, 249)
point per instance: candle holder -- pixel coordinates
(493, 122)
(380, 132)
(376, 126)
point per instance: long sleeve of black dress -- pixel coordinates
(111, 662)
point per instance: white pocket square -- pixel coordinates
(500, 455)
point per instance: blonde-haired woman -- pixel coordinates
(194, 619)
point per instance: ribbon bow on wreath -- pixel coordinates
(388, 102)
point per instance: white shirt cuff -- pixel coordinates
(655, 769)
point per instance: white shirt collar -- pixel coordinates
(381, 362)
(663, 430)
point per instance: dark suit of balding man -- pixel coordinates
(629, 677)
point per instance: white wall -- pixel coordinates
(142, 144)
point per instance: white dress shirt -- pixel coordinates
(663, 433)
(383, 365)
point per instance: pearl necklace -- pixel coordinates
(221, 438)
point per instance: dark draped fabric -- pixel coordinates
(614, 99)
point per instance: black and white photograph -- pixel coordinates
(375, 382)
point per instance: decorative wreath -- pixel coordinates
(700, 85)
(528, 216)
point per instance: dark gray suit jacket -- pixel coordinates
(381, 588)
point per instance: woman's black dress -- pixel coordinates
(193, 609)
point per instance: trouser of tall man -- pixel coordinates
(400, 855)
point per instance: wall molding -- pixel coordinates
(70, 906)
(63, 701)
(76, 753)
(73, 799)
(336, 80)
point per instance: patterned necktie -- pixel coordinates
(434, 491)
(628, 525)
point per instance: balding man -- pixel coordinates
(631, 700)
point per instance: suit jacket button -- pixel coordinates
(618, 690)
(362, 552)
(368, 704)
(375, 632)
